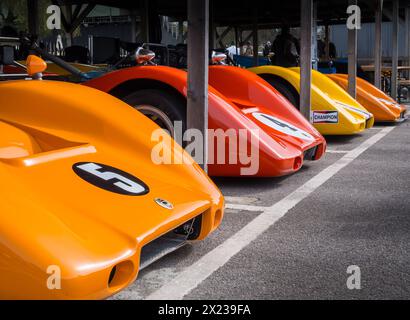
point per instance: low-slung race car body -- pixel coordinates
(383, 107)
(334, 111)
(243, 102)
(83, 206)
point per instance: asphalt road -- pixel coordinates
(357, 213)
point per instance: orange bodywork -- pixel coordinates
(51, 217)
(383, 107)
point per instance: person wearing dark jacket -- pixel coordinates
(286, 49)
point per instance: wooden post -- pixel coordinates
(213, 38)
(144, 25)
(306, 56)
(407, 35)
(181, 31)
(237, 42)
(198, 63)
(378, 44)
(255, 37)
(352, 57)
(133, 33)
(327, 42)
(395, 49)
(33, 25)
(315, 64)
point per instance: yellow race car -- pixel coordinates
(334, 111)
(83, 205)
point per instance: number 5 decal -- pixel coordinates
(110, 178)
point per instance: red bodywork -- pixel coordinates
(234, 95)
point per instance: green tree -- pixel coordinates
(13, 13)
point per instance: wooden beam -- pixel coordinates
(78, 17)
(306, 56)
(198, 64)
(222, 36)
(243, 41)
(64, 21)
(77, 10)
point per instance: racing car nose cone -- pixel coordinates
(164, 203)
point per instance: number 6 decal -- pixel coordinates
(110, 178)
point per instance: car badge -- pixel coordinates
(164, 203)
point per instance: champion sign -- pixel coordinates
(325, 117)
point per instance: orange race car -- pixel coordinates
(83, 205)
(383, 107)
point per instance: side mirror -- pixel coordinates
(6, 55)
(35, 67)
(144, 56)
(218, 58)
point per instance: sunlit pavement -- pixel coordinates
(359, 215)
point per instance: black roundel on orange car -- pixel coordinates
(110, 178)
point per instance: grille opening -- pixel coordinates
(121, 274)
(218, 218)
(112, 274)
(170, 241)
(368, 123)
(310, 154)
(298, 163)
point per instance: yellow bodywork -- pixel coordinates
(55, 225)
(327, 97)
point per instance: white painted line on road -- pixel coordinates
(193, 275)
(241, 200)
(244, 207)
(336, 151)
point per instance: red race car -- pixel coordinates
(238, 99)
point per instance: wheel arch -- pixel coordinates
(273, 77)
(133, 85)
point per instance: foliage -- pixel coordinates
(13, 13)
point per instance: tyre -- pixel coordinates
(285, 90)
(161, 107)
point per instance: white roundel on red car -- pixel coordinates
(282, 126)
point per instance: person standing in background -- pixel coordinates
(286, 49)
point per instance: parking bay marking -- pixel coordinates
(245, 207)
(195, 274)
(336, 151)
(240, 200)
